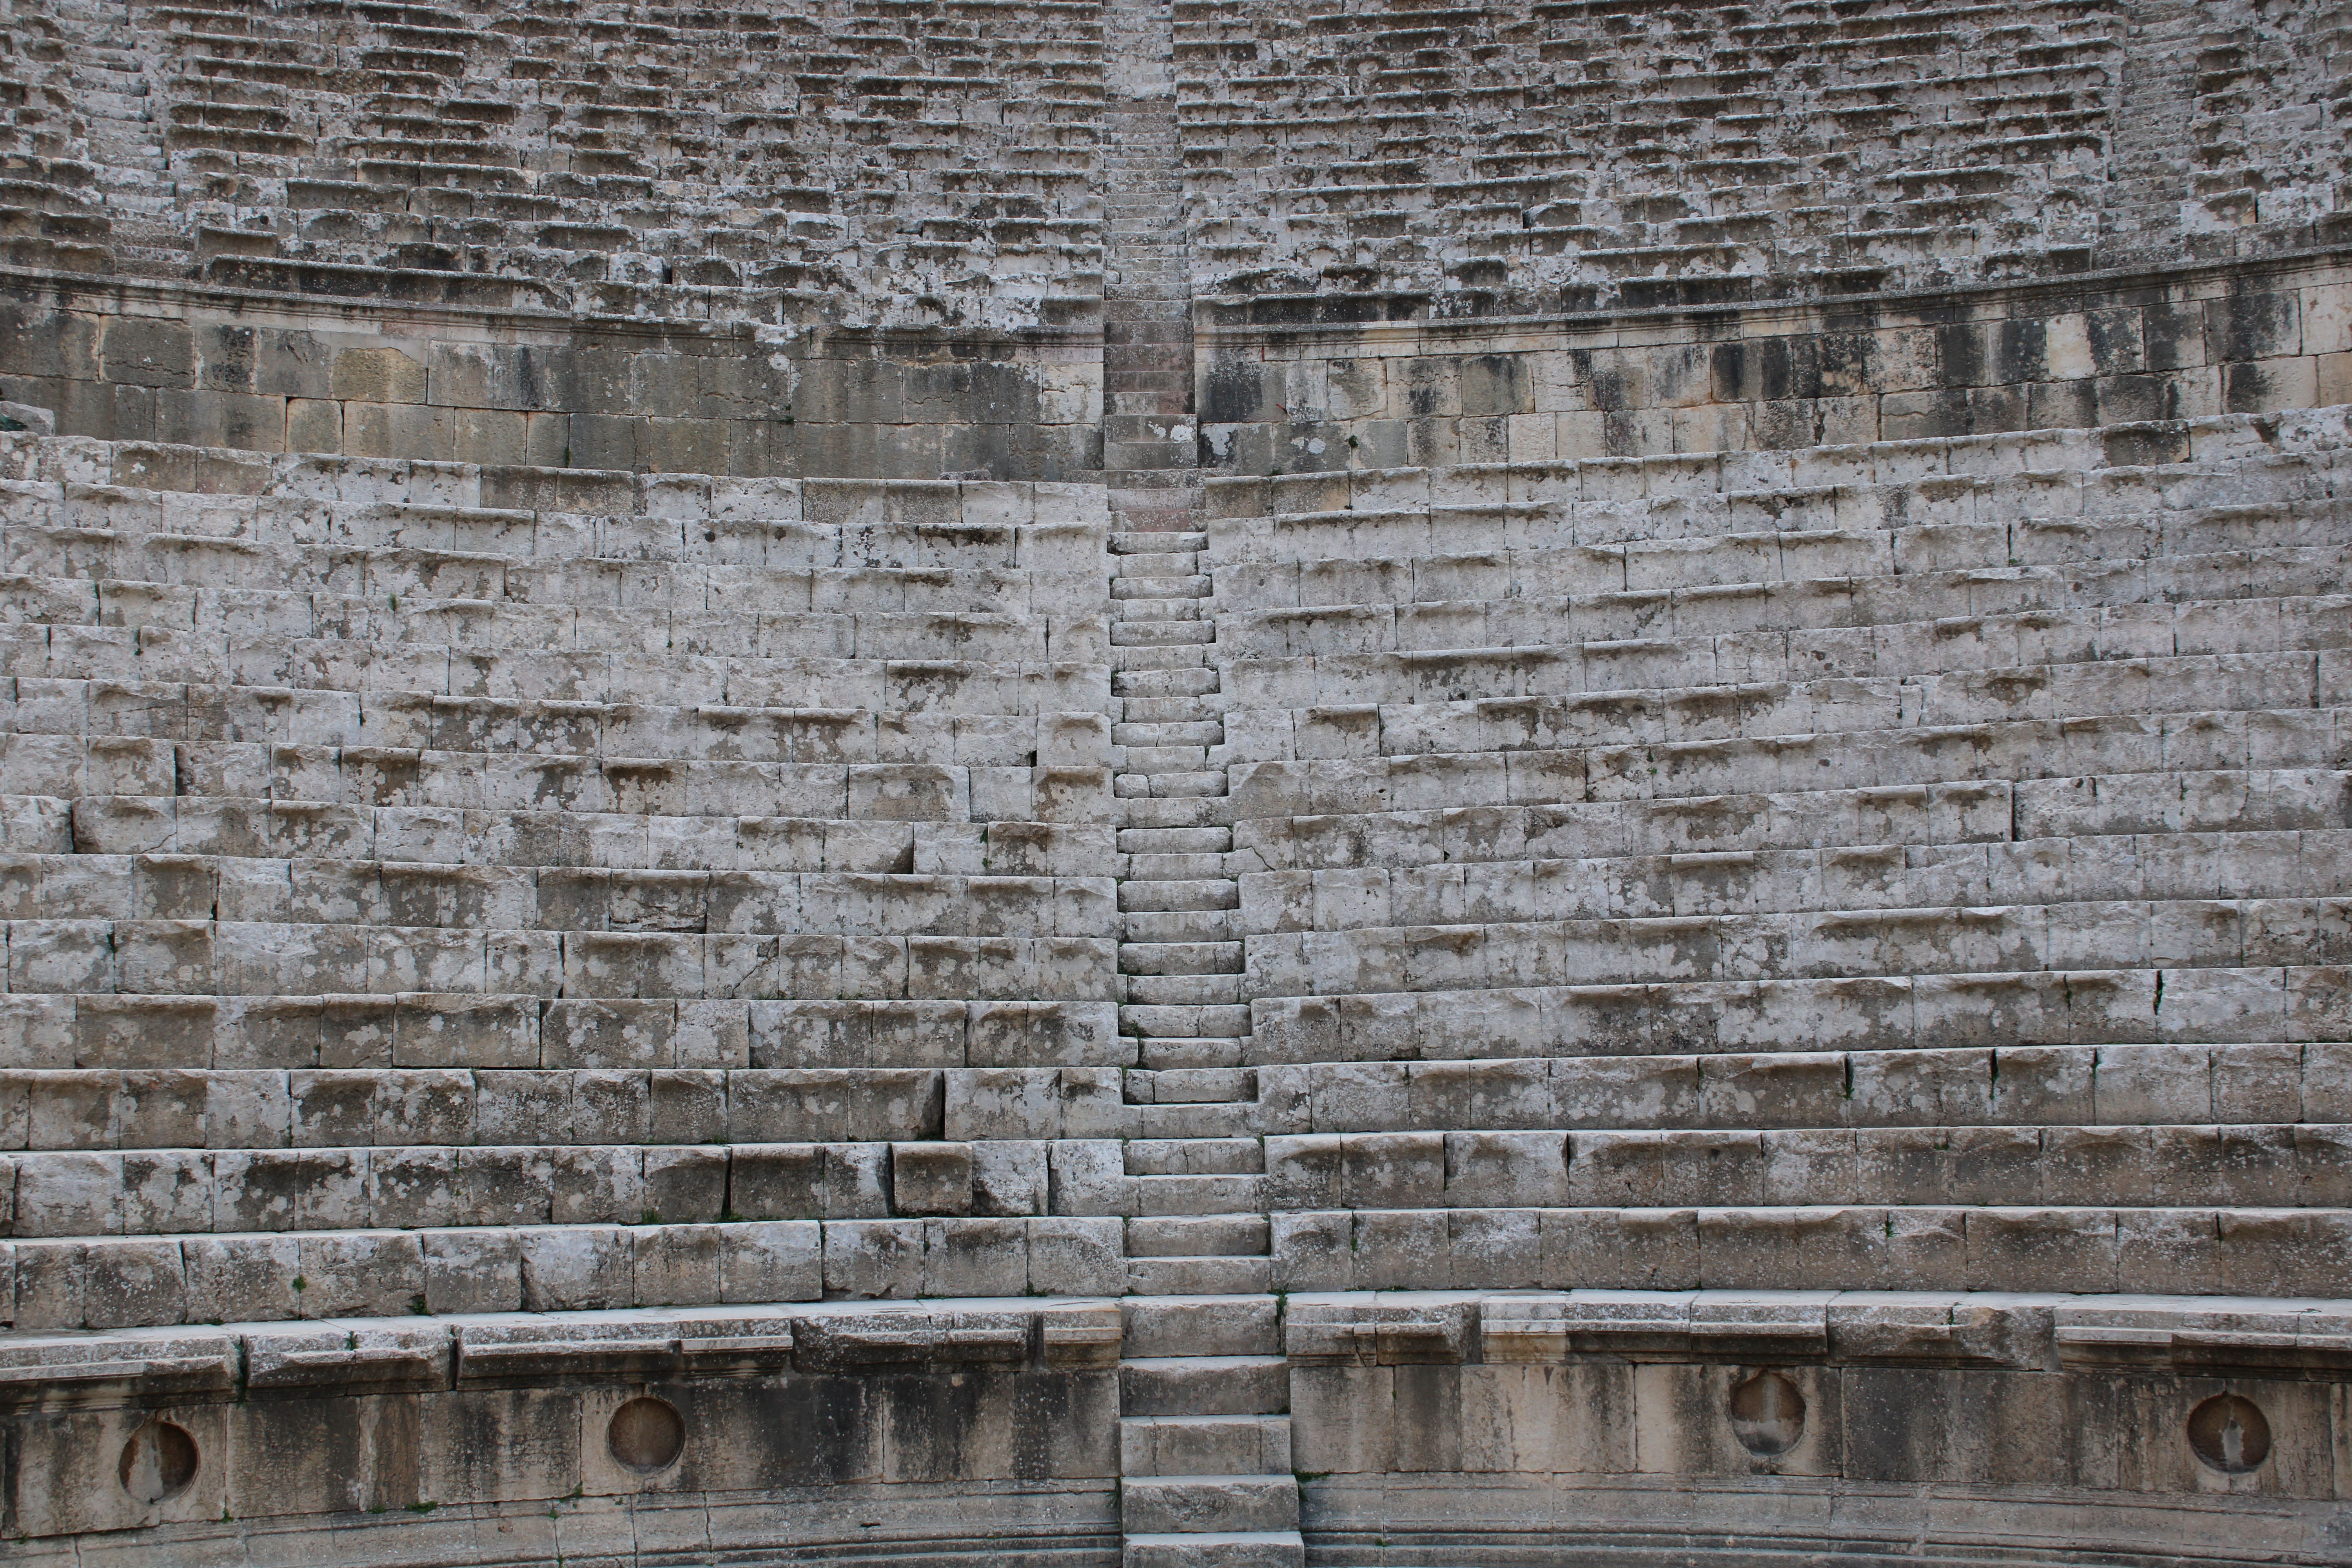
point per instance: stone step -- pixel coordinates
(1179, 957)
(1160, 574)
(1204, 1386)
(1257, 1549)
(1161, 607)
(1175, 811)
(1161, 633)
(1173, 840)
(1166, 762)
(1194, 734)
(1196, 1086)
(1149, 455)
(1198, 1195)
(1192, 1504)
(1203, 1445)
(1206, 781)
(1195, 682)
(1179, 989)
(1181, 925)
(1180, 656)
(1225, 1022)
(1191, 1052)
(1148, 871)
(1202, 709)
(1198, 1276)
(1178, 548)
(1172, 477)
(1199, 1235)
(1194, 1157)
(1177, 1327)
(1217, 1119)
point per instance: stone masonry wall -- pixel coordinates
(1187, 784)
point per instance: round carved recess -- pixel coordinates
(647, 1436)
(158, 1462)
(2230, 1433)
(1768, 1414)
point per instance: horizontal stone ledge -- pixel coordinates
(434, 1032)
(2097, 1250)
(106, 295)
(1887, 1012)
(333, 1275)
(2203, 279)
(2184, 1335)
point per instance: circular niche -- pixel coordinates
(647, 1436)
(2230, 1435)
(158, 1462)
(1768, 1414)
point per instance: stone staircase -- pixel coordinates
(1179, 948)
(125, 137)
(1205, 1478)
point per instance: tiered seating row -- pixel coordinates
(1573, 152)
(120, 1283)
(1792, 798)
(882, 1078)
(549, 155)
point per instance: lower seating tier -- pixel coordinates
(58, 1194)
(118, 1282)
(907, 1071)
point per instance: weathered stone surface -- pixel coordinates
(1020, 781)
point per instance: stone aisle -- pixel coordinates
(1179, 950)
(1205, 1450)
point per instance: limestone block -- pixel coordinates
(1009, 1177)
(1921, 1088)
(414, 1187)
(1088, 1177)
(472, 1270)
(931, 1178)
(1797, 1088)
(810, 1181)
(686, 1106)
(49, 1277)
(771, 1262)
(791, 1104)
(576, 1267)
(2042, 1249)
(1004, 1103)
(1496, 1249)
(1313, 1251)
(1076, 1258)
(1403, 1251)
(131, 1284)
(975, 1257)
(685, 1184)
(1506, 1170)
(870, 1260)
(68, 1194)
(1619, 1249)
(1639, 1168)
(1305, 1172)
(1812, 1167)
(585, 1186)
(1490, 1094)
(358, 1274)
(676, 1265)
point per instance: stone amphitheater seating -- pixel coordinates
(405, 847)
(1904, 867)
(1596, 153)
(746, 815)
(549, 160)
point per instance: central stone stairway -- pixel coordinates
(1205, 1478)
(1199, 1169)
